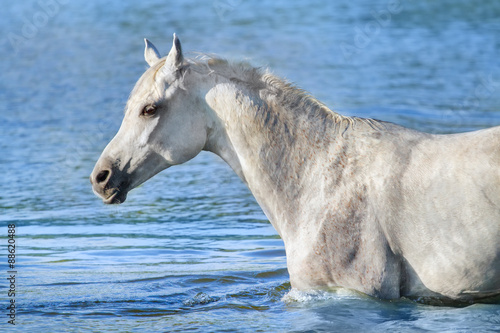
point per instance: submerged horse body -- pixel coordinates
(359, 203)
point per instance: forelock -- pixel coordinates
(150, 84)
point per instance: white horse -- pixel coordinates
(359, 203)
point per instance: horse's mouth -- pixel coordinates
(112, 196)
(116, 198)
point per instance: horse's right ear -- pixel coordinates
(151, 54)
(175, 57)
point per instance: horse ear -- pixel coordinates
(175, 58)
(151, 54)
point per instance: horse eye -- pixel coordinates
(149, 110)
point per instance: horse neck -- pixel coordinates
(272, 142)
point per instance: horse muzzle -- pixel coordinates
(109, 183)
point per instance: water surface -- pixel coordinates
(191, 249)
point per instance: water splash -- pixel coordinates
(300, 296)
(200, 299)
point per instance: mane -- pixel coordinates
(272, 87)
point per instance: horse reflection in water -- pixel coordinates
(359, 203)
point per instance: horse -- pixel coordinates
(360, 203)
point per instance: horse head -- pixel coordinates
(164, 125)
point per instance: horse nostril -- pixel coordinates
(102, 176)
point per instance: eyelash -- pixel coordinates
(149, 110)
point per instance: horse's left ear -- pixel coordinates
(151, 54)
(175, 58)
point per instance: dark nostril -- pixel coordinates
(102, 176)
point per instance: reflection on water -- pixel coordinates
(191, 249)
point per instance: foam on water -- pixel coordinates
(301, 296)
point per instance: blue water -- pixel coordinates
(191, 249)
